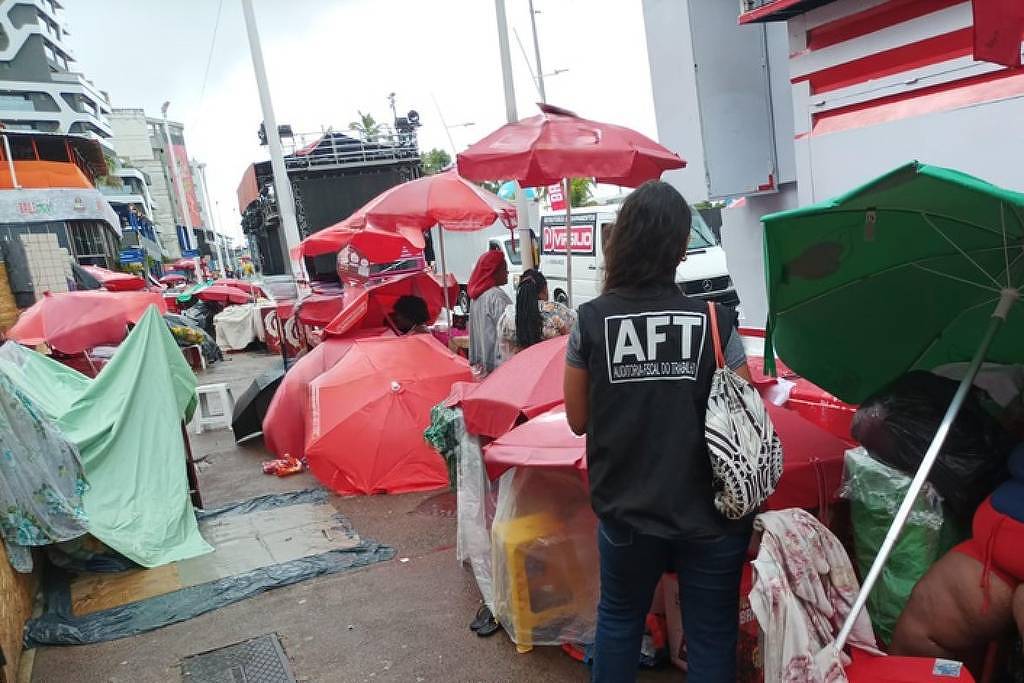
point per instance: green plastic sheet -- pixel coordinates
(875, 492)
(899, 274)
(127, 426)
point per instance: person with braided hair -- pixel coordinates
(533, 318)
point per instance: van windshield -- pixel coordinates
(701, 236)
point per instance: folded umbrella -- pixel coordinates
(251, 407)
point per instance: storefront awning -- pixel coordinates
(57, 204)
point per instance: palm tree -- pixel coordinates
(366, 126)
(581, 192)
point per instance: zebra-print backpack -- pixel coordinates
(745, 451)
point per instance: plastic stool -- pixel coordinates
(205, 417)
(536, 552)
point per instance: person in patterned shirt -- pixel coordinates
(533, 318)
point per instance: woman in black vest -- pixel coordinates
(638, 376)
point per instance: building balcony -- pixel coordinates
(43, 174)
(67, 117)
(754, 11)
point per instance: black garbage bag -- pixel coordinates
(897, 425)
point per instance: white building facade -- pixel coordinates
(848, 89)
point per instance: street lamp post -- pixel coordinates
(213, 221)
(172, 161)
(282, 186)
(525, 236)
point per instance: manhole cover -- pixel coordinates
(260, 660)
(442, 505)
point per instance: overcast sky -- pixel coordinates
(326, 59)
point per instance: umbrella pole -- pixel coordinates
(1006, 301)
(444, 272)
(568, 242)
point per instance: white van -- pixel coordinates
(703, 274)
(463, 249)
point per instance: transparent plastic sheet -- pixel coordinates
(545, 558)
(59, 625)
(476, 503)
(875, 492)
(897, 425)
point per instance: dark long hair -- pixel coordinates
(649, 238)
(529, 322)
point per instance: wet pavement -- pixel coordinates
(401, 620)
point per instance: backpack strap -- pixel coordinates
(716, 337)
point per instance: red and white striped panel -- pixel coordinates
(858, 63)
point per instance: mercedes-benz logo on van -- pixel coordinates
(706, 285)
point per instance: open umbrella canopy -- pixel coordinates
(376, 244)
(369, 307)
(558, 144)
(902, 273)
(73, 322)
(222, 294)
(812, 470)
(367, 414)
(184, 264)
(251, 407)
(524, 386)
(242, 285)
(115, 282)
(172, 279)
(395, 220)
(284, 423)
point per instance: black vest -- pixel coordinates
(651, 360)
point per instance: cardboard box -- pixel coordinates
(749, 658)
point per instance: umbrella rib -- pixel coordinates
(937, 337)
(956, 246)
(910, 264)
(961, 280)
(1006, 246)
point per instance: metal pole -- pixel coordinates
(282, 186)
(444, 272)
(451, 140)
(536, 51)
(213, 221)
(568, 242)
(1006, 301)
(10, 164)
(522, 210)
(172, 161)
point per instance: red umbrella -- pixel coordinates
(522, 387)
(243, 285)
(113, 281)
(368, 307)
(184, 264)
(172, 279)
(557, 145)
(379, 245)
(811, 476)
(443, 199)
(222, 294)
(73, 322)
(284, 426)
(367, 415)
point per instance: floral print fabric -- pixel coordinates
(558, 318)
(41, 480)
(803, 589)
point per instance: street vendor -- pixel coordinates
(410, 315)
(974, 593)
(488, 303)
(639, 365)
(533, 318)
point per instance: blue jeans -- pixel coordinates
(709, 573)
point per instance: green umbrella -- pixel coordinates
(916, 269)
(902, 273)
